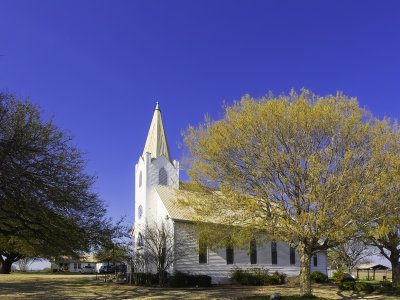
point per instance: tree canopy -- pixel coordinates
(297, 168)
(384, 233)
(47, 204)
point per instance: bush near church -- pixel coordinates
(339, 276)
(256, 276)
(357, 286)
(318, 276)
(180, 279)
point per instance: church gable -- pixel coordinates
(162, 172)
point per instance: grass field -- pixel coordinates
(49, 286)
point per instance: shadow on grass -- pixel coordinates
(286, 298)
(86, 287)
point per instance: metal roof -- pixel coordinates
(373, 267)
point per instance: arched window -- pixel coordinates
(140, 179)
(274, 253)
(162, 177)
(140, 240)
(140, 211)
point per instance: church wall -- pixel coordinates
(140, 192)
(322, 263)
(145, 195)
(219, 270)
(153, 201)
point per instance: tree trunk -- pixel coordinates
(6, 261)
(5, 267)
(305, 274)
(394, 259)
(161, 276)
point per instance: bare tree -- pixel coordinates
(25, 262)
(350, 255)
(160, 249)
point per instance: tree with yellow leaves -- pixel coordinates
(295, 168)
(384, 233)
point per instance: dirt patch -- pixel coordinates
(41, 286)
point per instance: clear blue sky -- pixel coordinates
(100, 66)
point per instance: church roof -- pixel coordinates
(156, 142)
(177, 203)
(169, 197)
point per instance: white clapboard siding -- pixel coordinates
(219, 270)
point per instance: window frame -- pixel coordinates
(140, 211)
(253, 252)
(140, 240)
(230, 255)
(203, 253)
(274, 253)
(162, 177)
(292, 256)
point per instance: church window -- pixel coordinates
(274, 253)
(202, 253)
(253, 252)
(140, 240)
(315, 261)
(140, 179)
(292, 256)
(140, 211)
(229, 255)
(162, 177)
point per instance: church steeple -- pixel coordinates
(156, 142)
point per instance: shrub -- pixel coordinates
(357, 286)
(386, 284)
(347, 285)
(339, 276)
(46, 270)
(256, 276)
(202, 280)
(180, 279)
(282, 276)
(318, 276)
(363, 286)
(145, 279)
(272, 279)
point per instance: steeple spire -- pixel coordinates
(156, 142)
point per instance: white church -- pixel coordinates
(156, 183)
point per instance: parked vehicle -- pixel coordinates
(121, 268)
(107, 269)
(87, 270)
